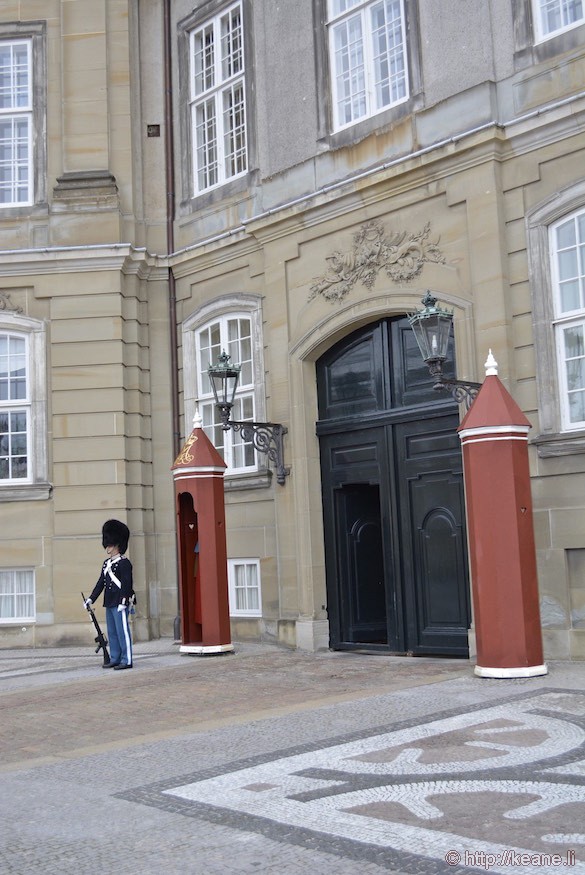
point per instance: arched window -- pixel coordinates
(567, 248)
(556, 263)
(232, 333)
(231, 324)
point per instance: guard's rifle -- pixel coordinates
(100, 638)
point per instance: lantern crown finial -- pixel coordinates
(432, 328)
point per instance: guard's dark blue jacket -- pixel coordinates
(116, 582)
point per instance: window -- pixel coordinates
(23, 405)
(244, 588)
(17, 595)
(16, 123)
(232, 323)
(14, 409)
(368, 58)
(232, 333)
(567, 247)
(555, 16)
(217, 99)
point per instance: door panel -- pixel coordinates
(430, 488)
(361, 567)
(393, 505)
(359, 534)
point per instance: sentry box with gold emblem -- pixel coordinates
(198, 474)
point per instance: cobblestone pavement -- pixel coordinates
(269, 760)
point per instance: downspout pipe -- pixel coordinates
(170, 218)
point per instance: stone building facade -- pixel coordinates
(284, 181)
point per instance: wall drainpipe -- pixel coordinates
(170, 217)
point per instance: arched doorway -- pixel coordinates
(394, 513)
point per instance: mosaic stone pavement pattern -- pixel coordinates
(499, 787)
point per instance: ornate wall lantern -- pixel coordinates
(267, 437)
(432, 329)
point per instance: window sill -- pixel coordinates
(563, 444)
(245, 616)
(7, 622)
(253, 480)
(26, 492)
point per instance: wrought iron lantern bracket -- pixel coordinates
(266, 437)
(462, 391)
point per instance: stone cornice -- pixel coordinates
(120, 257)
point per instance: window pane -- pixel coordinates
(21, 78)
(339, 6)
(203, 60)
(14, 160)
(232, 54)
(234, 130)
(577, 406)
(209, 343)
(349, 70)
(206, 140)
(243, 451)
(570, 296)
(576, 374)
(567, 264)
(574, 366)
(566, 235)
(573, 338)
(13, 445)
(212, 426)
(252, 581)
(570, 256)
(14, 76)
(19, 421)
(240, 349)
(389, 62)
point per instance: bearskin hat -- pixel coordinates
(115, 534)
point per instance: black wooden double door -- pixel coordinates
(395, 543)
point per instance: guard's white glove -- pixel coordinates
(88, 603)
(121, 608)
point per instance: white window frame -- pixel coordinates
(197, 392)
(29, 594)
(250, 568)
(217, 88)
(12, 407)
(35, 485)
(569, 317)
(564, 8)
(346, 14)
(19, 164)
(239, 455)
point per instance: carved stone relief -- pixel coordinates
(6, 304)
(401, 255)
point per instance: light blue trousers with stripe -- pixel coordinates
(119, 636)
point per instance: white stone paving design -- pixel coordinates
(405, 813)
